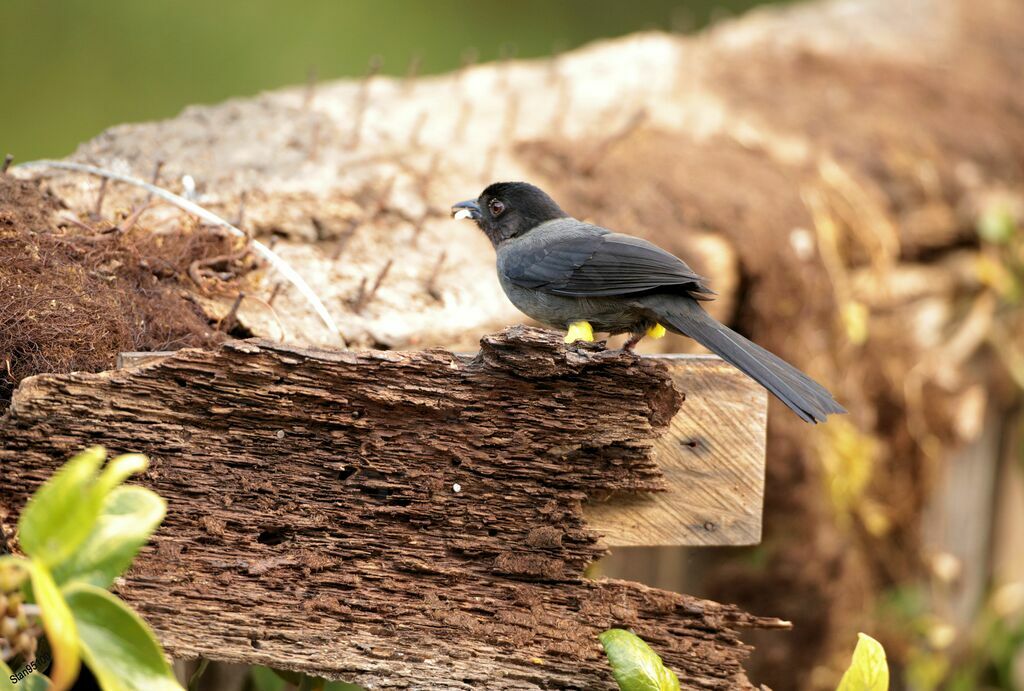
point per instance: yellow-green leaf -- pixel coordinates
(61, 513)
(634, 665)
(5, 677)
(129, 516)
(120, 469)
(119, 648)
(33, 681)
(59, 625)
(869, 670)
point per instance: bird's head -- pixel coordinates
(507, 210)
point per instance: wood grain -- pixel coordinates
(713, 460)
(712, 457)
(400, 520)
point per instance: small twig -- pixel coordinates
(198, 267)
(311, 80)
(466, 60)
(229, 319)
(380, 279)
(344, 239)
(240, 216)
(412, 71)
(506, 53)
(357, 302)
(274, 292)
(431, 285)
(363, 99)
(277, 262)
(76, 222)
(319, 228)
(383, 196)
(417, 129)
(154, 179)
(419, 225)
(6, 164)
(129, 222)
(364, 297)
(98, 209)
(273, 313)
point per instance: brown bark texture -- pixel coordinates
(399, 520)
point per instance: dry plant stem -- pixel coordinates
(228, 322)
(276, 261)
(431, 286)
(97, 213)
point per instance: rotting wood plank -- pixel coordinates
(712, 457)
(400, 520)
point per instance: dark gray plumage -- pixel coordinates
(559, 271)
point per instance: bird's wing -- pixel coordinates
(589, 261)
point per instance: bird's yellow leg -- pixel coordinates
(579, 331)
(656, 331)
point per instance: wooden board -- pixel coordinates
(712, 457)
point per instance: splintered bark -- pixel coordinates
(400, 520)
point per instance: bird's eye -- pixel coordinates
(496, 206)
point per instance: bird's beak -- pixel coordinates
(467, 209)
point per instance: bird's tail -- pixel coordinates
(804, 396)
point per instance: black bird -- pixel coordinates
(572, 275)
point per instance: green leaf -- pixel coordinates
(59, 516)
(36, 681)
(59, 625)
(120, 469)
(5, 677)
(120, 650)
(128, 518)
(634, 665)
(868, 671)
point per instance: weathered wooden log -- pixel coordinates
(711, 456)
(401, 520)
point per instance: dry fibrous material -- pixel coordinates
(71, 299)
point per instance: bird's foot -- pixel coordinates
(657, 331)
(580, 331)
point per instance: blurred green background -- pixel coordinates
(71, 68)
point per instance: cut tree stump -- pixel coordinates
(399, 520)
